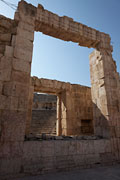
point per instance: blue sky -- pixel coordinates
(66, 61)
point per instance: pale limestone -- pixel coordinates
(9, 51)
(19, 156)
(20, 65)
(23, 54)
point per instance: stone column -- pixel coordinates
(16, 90)
(29, 112)
(105, 93)
(59, 114)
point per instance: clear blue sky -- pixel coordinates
(66, 61)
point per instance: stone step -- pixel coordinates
(43, 121)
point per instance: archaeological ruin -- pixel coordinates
(87, 127)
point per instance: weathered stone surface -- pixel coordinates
(6, 37)
(23, 54)
(9, 51)
(78, 103)
(20, 65)
(74, 101)
(25, 34)
(15, 89)
(5, 74)
(12, 125)
(5, 62)
(23, 42)
(21, 77)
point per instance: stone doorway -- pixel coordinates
(44, 114)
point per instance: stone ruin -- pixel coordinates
(75, 104)
(43, 115)
(78, 124)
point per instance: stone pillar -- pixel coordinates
(29, 112)
(105, 93)
(62, 114)
(64, 127)
(15, 68)
(59, 114)
(16, 88)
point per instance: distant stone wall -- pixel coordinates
(80, 115)
(20, 156)
(8, 29)
(81, 111)
(50, 156)
(44, 114)
(44, 102)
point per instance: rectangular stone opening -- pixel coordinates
(21, 158)
(44, 114)
(87, 126)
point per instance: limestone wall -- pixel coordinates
(44, 114)
(105, 94)
(75, 111)
(44, 102)
(16, 45)
(43, 122)
(8, 29)
(67, 29)
(68, 155)
(40, 157)
(80, 110)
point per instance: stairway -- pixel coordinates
(43, 121)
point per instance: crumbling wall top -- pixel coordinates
(64, 28)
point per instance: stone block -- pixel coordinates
(72, 148)
(47, 149)
(15, 89)
(9, 51)
(27, 9)
(5, 150)
(22, 66)
(11, 150)
(85, 146)
(80, 147)
(106, 158)
(13, 40)
(24, 18)
(22, 104)
(99, 146)
(79, 160)
(8, 102)
(62, 162)
(13, 125)
(25, 26)
(1, 87)
(5, 62)
(23, 54)
(107, 146)
(3, 102)
(61, 148)
(2, 49)
(91, 149)
(10, 165)
(25, 34)
(32, 149)
(14, 103)
(1, 55)
(91, 159)
(22, 42)
(5, 74)
(6, 37)
(20, 77)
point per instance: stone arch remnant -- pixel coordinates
(16, 37)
